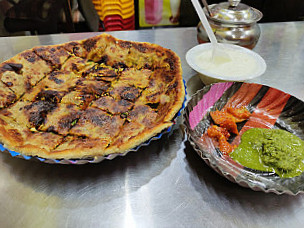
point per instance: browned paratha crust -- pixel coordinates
(88, 98)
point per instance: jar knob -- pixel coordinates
(234, 3)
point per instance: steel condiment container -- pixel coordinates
(232, 22)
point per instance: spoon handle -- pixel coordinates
(204, 21)
(207, 7)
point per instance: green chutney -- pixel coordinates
(271, 150)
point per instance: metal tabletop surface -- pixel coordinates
(165, 184)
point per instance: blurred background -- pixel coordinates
(31, 17)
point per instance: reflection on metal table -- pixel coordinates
(165, 184)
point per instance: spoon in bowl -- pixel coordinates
(207, 7)
(218, 54)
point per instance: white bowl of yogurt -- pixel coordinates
(238, 64)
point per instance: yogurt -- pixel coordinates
(238, 63)
(235, 65)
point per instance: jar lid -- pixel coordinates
(234, 12)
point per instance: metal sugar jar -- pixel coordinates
(232, 22)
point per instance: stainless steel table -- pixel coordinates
(165, 184)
